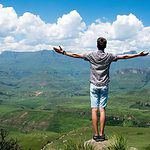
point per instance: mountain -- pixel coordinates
(130, 52)
(48, 60)
(29, 72)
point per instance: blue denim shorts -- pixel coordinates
(98, 96)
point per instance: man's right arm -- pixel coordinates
(128, 56)
(61, 51)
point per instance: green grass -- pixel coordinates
(27, 120)
(80, 102)
(136, 137)
(7, 109)
(34, 117)
(118, 143)
(56, 113)
(77, 145)
(34, 140)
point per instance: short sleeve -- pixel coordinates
(113, 57)
(87, 56)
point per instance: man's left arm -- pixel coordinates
(61, 51)
(129, 56)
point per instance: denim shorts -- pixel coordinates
(98, 96)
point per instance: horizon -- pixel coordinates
(127, 52)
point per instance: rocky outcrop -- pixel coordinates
(103, 145)
(98, 145)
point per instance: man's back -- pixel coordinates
(100, 64)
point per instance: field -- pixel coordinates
(48, 101)
(42, 126)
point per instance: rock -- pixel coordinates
(98, 145)
(102, 145)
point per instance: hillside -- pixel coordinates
(43, 95)
(35, 70)
(28, 75)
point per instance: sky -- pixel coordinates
(33, 25)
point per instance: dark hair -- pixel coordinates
(101, 43)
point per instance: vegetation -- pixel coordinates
(77, 145)
(44, 96)
(119, 143)
(141, 105)
(6, 143)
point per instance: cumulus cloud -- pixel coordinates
(126, 33)
(89, 37)
(8, 21)
(126, 27)
(29, 32)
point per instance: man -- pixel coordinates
(99, 79)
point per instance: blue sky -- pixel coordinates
(31, 25)
(90, 10)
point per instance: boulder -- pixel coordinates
(98, 145)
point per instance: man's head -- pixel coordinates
(101, 43)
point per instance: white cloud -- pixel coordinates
(95, 30)
(8, 21)
(126, 33)
(143, 38)
(70, 25)
(126, 26)
(31, 30)
(30, 33)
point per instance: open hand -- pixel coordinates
(143, 53)
(58, 50)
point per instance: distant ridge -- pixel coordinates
(18, 68)
(130, 52)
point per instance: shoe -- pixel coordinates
(102, 138)
(99, 138)
(96, 138)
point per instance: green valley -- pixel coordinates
(44, 96)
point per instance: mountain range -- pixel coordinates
(31, 71)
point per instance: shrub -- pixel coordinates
(119, 143)
(6, 143)
(77, 145)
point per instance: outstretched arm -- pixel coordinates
(61, 51)
(128, 56)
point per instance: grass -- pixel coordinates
(136, 137)
(28, 115)
(44, 119)
(118, 143)
(77, 145)
(7, 109)
(34, 140)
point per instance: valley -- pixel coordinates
(44, 96)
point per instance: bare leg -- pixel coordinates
(95, 120)
(102, 121)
